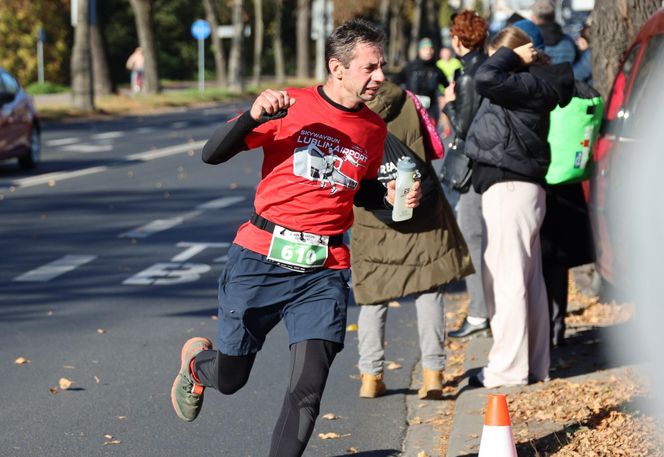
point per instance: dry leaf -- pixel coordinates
(69, 367)
(121, 418)
(415, 420)
(21, 361)
(352, 450)
(106, 443)
(214, 318)
(101, 331)
(394, 304)
(351, 328)
(97, 380)
(233, 186)
(422, 454)
(53, 390)
(330, 416)
(393, 366)
(65, 383)
(329, 436)
(108, 437)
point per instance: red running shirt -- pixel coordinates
(314, 160)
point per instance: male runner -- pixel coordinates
(322, 149)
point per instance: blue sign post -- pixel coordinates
(200, 30)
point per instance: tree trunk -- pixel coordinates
(81, 61)
(415, 30)
(279, 66)
(615, 24)
(258, 40)
(384, 12)
(303, 21)
(395, 50)
(217, 49)
(234, 64)
(100, 70)
(432, 28)
(143, 16)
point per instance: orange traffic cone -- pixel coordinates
(497, 439)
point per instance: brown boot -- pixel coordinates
(372, 385)
(432, 384)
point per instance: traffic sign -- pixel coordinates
(200, 29)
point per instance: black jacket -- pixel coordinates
(508, 136)
(421, 78)
(461, 111)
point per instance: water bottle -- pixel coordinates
(405, 180)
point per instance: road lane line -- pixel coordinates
(220, 203)
(88, 148)
(62, 141)
(108, 135)
(142, 130)
(158, 225)
(178, 125)
(164, 152)
(56, 176)
(56, 268)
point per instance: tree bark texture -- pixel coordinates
(259, 29)
(217, 49)
(235, 63)
(81, 61)
(279, 66)
(100, 70)
(431, 27)
(615, 24)
(302, 44)
(415, 30)
(143, 16)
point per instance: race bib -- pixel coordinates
(298, 251)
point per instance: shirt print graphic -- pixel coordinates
(333, 168)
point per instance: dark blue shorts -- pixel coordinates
(254, 295)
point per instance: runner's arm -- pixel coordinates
(228, 140)
(371, 195)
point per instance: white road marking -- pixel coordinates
(142, 130)
(158, 225)
(178, 125)
(108, 135)
(61, 141)
(220, 203)
(195, 248)
(56, 268)
(88, 148)
(56, 176)
(164, 152)
(167, 273)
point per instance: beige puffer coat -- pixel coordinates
(424, 253)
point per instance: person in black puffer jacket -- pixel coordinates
(507, 141)
(469, 32)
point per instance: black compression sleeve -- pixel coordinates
(228, 139)
(371, 194)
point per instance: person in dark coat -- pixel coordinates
(559, 46)
(507, 141)
(422, 77)
(469, 32)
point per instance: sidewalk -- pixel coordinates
(590, 386)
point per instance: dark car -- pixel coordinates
(633, 114)
(20, 132)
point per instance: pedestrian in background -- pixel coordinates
(508, 143)
(583, 67)
(322, 150)
(136, 64)
(558, 46)
(422, 77)
(391, 260)
(448, 64)
(461, 101)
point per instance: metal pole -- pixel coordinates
(40, 61)
(201, 66)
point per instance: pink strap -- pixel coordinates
(432, 143)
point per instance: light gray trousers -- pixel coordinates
(430, 326)
(470, 223)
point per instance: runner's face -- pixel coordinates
(364, 75)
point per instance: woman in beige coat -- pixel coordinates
(415, 257)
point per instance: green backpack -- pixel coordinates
(572, 131)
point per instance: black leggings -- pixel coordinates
(310, 362)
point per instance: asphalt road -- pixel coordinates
(110, 257)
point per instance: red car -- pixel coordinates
(617, 149)
(20, 132)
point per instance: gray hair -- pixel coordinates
(341, 43)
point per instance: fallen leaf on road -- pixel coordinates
(233, 185)
(351, 328)
(121, 418)
(393, 366)
(422, 454)
(65, 383)
(97, 380)
(69, 367)
(21, 361)
(330, 416)
(329, 436)
(394, 304)
(108, 437)
(101, 331)
(214, 318)
(106, 443)
(415, 420)
(53, 390)
(352, 450)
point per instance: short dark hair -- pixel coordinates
(341, 43)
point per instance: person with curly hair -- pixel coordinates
(461, 101)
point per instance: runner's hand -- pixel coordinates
(269, 102)
(412, 199)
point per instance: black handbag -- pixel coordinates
(457, 167)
